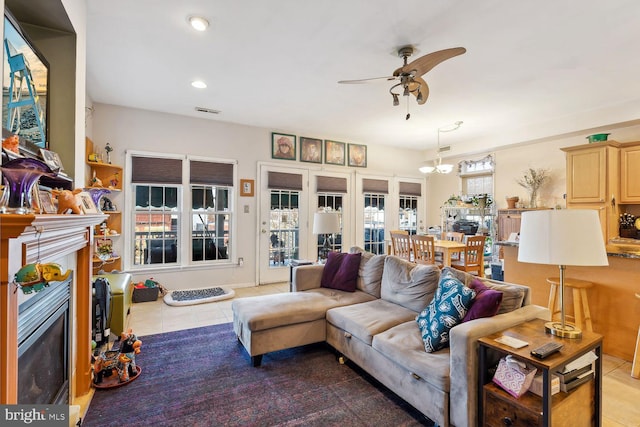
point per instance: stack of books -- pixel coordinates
(577, 372)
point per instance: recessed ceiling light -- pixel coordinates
(198, 23)
(199, 84)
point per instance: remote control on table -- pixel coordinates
(546, 350)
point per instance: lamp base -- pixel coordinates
(563, 331)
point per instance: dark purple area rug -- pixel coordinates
(203, 377)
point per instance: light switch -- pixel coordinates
(246, 208)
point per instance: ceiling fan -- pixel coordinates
(410, 74)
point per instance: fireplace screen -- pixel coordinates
(43, 347)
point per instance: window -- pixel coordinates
(157, 217)
(284, 227)
(331, 191)
(374, 191)
(409, 192)
(477, 175)
(210, 222)
(408, 214)
(330, 203)
(374, 223)
(160, 206)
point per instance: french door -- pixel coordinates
(283, 221)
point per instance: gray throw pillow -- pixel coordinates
(370, 271)
(407, 284)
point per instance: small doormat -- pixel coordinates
(198, 296)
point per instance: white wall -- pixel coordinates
(141, 130)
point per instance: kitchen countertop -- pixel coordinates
(620, 247)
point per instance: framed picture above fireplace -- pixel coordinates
(25, 85)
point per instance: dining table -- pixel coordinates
(448, 248)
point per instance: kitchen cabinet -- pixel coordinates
(509, 222)
(593, 177)
(630, 173)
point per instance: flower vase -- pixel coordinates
(19, 176)
(533, 199)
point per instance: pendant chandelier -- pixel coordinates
(437, 166)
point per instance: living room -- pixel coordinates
(152, 130)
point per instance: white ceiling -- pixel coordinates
(533, 69)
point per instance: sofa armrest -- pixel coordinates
(306, 277)
(463, 341)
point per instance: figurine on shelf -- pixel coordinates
(114, 181)
(67, 201)
(12, 144)
(95, 181)
(108, 148)
(107, 205)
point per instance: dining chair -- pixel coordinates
(401, 244)
(472, 258)
(423, 249)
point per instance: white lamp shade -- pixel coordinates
(562, 237)
(326, 223)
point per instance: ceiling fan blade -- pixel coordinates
(424, 90)
(425, 63)
(388, 78)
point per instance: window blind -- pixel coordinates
(211, 173)
(410, 189)
(330, 184)
(380, 186)
(284, 181)
(156, 170)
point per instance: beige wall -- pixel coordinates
(512, 162)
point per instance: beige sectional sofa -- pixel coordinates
(375, 327)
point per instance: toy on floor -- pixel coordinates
(113, 368)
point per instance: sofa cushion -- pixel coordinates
(485, 304)
(341, 271)
(271, 311)
(512, 295)
(367, 319)
(370, 271)
(407, 284)
(447, 309)
(403, 345)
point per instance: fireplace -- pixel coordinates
(43, 346)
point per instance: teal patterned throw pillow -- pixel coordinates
(446, 310)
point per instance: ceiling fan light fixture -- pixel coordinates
(406, 90)
(419, 97)
(396, 101)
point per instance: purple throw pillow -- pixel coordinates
(341, 271)
(486, 303)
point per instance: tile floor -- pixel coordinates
(621, 393)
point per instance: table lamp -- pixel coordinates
(562, 237)
(326, 223)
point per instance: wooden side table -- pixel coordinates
(576, 407)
